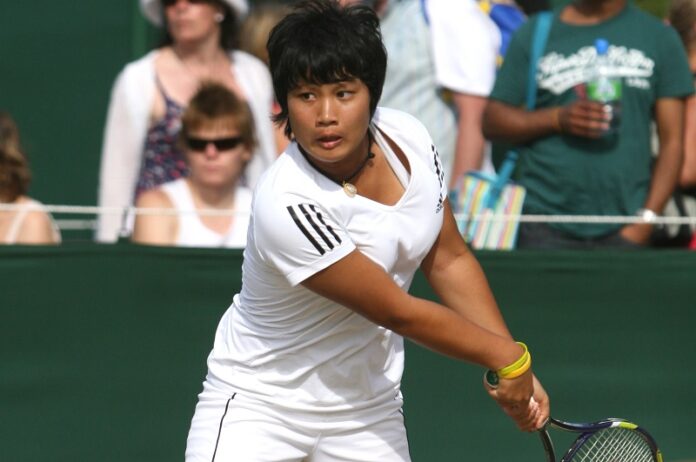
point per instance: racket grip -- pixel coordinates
(492, 379)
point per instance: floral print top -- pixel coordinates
(163, 159)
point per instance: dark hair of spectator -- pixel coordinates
(229, 28)
(322, 42)
(682, 16)
(531, 7)
(15, 175)
(214, 103)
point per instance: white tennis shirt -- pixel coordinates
(288, 346)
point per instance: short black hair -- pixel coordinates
(323, 42)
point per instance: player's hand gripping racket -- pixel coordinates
(610, 440)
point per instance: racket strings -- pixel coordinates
(614, 445)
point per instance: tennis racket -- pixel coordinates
(609, 440)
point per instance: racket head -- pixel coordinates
(609, 440)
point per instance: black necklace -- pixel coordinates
(348, 187)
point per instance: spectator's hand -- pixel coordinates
(638, 233)
(588, 119)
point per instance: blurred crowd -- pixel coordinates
(189, 127)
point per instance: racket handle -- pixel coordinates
(492, 379)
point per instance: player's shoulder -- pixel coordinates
(405, 130)
(285, 182)
(398, 123)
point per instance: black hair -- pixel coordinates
(229, 28)
(323, 42)
(531, 7)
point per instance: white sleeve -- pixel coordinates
(410, 135)
(465, 46)
(124, 135)
(298, 236)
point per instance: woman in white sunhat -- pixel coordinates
(140, 148)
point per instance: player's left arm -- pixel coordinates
(458, 280)
(669, 119)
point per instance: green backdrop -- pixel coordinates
(102, 351)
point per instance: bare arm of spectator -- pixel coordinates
(669, 118)
(512, 124)
(37, 228)
(155, 229)
(687, 178)
(470, 141)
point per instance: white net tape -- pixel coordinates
(94, 211)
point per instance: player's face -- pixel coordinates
(330, 121)
(190, 20)
(216, 154)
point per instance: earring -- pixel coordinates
(219, 17)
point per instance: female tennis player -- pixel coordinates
(307, 361)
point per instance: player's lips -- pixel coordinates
(329, 141)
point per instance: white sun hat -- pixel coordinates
(152, 9)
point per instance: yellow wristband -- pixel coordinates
(505, 372)
(521, 370)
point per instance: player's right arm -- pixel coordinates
(356, 282)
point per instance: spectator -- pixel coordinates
(30, 223)
(442, 65)
(140, 141)
(258, 25)
(682, 15)
(255, 30)
(566, 163)
(218, 137)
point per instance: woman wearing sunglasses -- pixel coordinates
(140, 149)
(212, 207)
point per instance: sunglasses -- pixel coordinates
(221, 144)
(168, 3)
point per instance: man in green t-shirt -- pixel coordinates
(568, 162)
